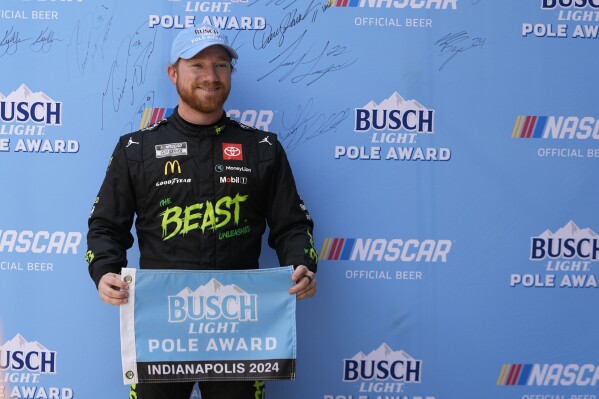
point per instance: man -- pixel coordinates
(202, 188)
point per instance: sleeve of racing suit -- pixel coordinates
(110, 221)
(289, 221)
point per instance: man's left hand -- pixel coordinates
(305, 283)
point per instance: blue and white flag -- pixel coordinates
(211, 325)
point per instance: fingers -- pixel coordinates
(309, 292)
(299, 272)
(112, 290)
(305, 283)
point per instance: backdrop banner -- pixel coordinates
(447, 151)
(208, 325)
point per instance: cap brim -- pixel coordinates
(192, 52)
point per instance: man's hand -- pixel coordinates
(305, 283)
(112, 290)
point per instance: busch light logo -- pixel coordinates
(551, 4)
(23, 105)
(213, 301)
(568, 242)
(571, 17)
(568, 256)
(399, 122)
(20, 355)
(383, 364)
(395, 114)
(26, 114)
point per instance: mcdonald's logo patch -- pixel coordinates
(172, 167)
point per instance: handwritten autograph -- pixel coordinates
(453, 44)
(285, 3)
(44, 41)
(9, 44)
(88, 39)
(128, 70)
(306, 124)
(147, 101)
(306, 65)
(290, 20)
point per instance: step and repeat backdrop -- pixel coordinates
(448, 151)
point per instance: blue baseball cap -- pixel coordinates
(192, 40)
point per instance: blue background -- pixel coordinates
(462, 319)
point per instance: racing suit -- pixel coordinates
(201, 197)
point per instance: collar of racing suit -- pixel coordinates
(199, 130)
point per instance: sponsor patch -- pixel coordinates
(232, 152)
(171, 150)
(233, 180)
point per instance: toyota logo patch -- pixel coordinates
(232, 152)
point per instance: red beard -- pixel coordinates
(202, 101)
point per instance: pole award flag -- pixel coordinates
(208, 325)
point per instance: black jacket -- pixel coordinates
(202, 196)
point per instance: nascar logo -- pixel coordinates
(380, 249)
(555, 127)
(153, 115)
(437, 4)
(548, 375)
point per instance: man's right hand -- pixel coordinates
(112, 289)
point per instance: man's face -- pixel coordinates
(204, 81)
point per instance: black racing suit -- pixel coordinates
(202, 196)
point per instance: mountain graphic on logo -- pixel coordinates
(383, 352)
(570, 230)
(396, 101)
(18, 343)
(230, 297)
(25, 94)
(212, 288)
